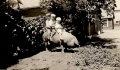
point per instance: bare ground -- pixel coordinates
(88, 57)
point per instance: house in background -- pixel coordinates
(31, 8)
(117, 13)
(28, 8)
(23, 3)
(117, 17)
(29, 4)
(108, 20)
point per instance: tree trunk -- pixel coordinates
(113, 23)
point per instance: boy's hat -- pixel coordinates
(58, 19)
(53, 15)
(48, 14)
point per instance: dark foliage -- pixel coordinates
(18, 38)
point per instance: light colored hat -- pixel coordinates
(53, 15)
(48, 14)
(58, 19)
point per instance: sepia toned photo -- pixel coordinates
(59, 34)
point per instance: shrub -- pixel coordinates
(18, 38)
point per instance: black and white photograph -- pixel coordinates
(59, 34)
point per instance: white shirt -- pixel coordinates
(49, 23)
(58, 27)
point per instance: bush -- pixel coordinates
(11, 33)
(18, 38)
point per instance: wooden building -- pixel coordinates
(107, 20)
(117, 13)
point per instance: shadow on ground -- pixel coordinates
(7, 60)
(99, 42)
(94, 42)
(66, 50)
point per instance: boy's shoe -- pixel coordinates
(48, 43)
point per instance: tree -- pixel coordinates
(78, 12)
(78, 15)
(109, 6)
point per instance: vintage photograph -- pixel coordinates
(59, 34)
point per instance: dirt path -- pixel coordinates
(112, 34)
(45, 61)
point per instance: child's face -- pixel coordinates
(48, 17)
(53, 18)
